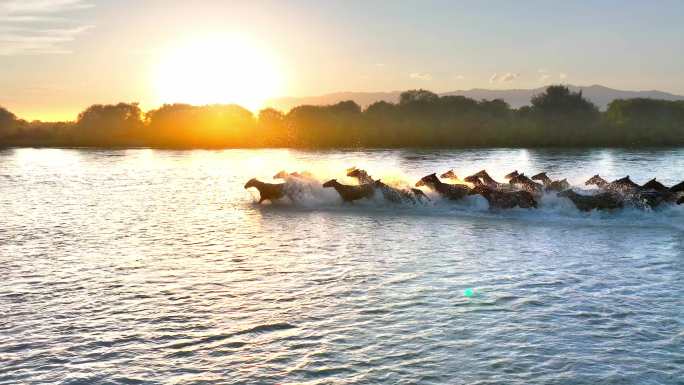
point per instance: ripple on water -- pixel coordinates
(155, 267)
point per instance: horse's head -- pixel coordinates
(473, 179)
(449, 175)
(512, 175)
(251, 183)
(482, 174)
(541, 176)
(653, 184)
(281, 175)
(596, 179)
(330, 183)
(378, 184)
(428, 180)
(356, 172)
(519, 179)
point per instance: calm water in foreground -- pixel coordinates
(157, 267)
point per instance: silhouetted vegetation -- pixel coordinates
(557, 117)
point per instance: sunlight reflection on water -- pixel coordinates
(146, 266)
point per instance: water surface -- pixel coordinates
(151, 267)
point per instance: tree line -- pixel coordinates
(557, 117)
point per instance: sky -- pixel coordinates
(59, 56)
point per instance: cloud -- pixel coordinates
(420, 76)
(562, 76)
(34, 27)
(503, 78)
(543, 74)
(459, 77)
(41, 6)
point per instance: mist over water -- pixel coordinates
(147, 266)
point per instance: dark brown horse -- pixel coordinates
(267, 191)
(390, 193)
(351, 193)
(449, 191)
(654, 185)
(524, 183)
(602, 201)
(360, 175)
(505, 200)
(678, 188)
(489, 181)
(449, 175)
(622, 185)
(511, 175)
(551, 185)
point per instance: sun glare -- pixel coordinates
(218, 70)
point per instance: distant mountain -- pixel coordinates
(599, 95)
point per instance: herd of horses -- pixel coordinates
(519, 191)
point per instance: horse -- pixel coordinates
(505, 200)
(390, 193)
(598, 181)
(475, 181)
(267, 191)
(511, 175)
(449, 191)
(351, 193)
(489, 181)
(622, 185)
(523, 182)
(680, 201)
(449, 175)
(678, 188)
(602, 201)
(654, 185)
(304, 175)
(361, 175)
(551, 185)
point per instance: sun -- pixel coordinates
(217, 70)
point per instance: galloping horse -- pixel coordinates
(523, 182)
(602, 201)
(504, 200)
(350, 193)
(449, 191)
(390, 193)
(267, 191)
(551, 185)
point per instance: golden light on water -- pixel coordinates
(218, 70)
